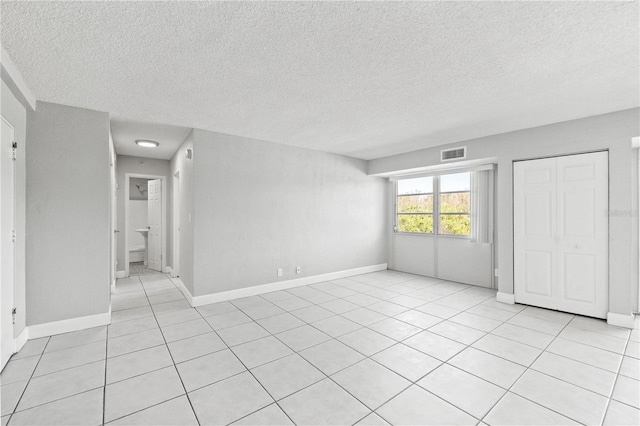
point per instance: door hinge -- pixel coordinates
(13, 236)
(14, 150)
(13, 315)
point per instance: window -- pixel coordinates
(415, 205)
(455, 204)
(434, 204)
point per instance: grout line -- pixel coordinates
(615, 382)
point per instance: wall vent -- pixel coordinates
(453, 153)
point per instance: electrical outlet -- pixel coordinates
(298, 269)
(279, 272)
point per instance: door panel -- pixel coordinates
(583, 234)
(7, 203)
(561, 233)
(534, 232)
(155, 224)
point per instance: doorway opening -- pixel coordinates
(145, 222)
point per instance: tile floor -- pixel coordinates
(375, 349)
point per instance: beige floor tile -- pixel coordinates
(371, 383)
(416, 406)
(494, 369)
(465, 391)
(569, 400)
(331, 356)
(203, 371)
(270, 415)
(261, 351)
(515, 410)
(135, 394)
(408, 362)
(287, 375)
(229, 400)
(176, 411)
(82, 409)
(323, 403)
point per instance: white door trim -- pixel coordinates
(175, 219)
(163, 236)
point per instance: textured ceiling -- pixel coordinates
(126, 132)
(363, 79)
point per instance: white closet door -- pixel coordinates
(535, 251)
(154, 216)
(561, 233)
(583, 234)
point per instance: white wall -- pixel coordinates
(147, 166)
(260, 206)
(67, 204)
(610, 131)
(16, 114)
(183, 165)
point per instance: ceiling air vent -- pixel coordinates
(453, 154)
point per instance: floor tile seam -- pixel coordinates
(452, 404)
(362, 402)
(530, 328)
(104, 388)
(615, 382)
(246, 370)
(579, 362)
(75, 347)
(59, 399)
(69, 368)
(114, 310)
(174, 363)
(592, 346)
(597, 332)
(143, 409)
(517, 380)
(135, 318)
(522, 343)
(29, 380)
(471, 373)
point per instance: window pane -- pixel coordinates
(421, 185)
(456, 182)
(455, 202)
(415, 223)
(455, 224)
(415, 204)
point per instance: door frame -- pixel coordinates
(12, 340)
(175, 219)
(513, 209)
(163, 236)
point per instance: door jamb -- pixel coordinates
(163, 228)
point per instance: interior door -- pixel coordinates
(154, 249)
(583, 231)
(534, 224)
(561, 233)
(7, 200)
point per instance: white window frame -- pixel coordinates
(436, 205)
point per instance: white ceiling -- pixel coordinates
(365, 79)
(126, 132)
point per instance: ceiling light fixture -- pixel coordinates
(147, 143)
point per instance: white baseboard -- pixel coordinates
(187, 294)
(22, 339)
(620, 320)
(66, 326)
(169, 270)
(506, 298)
(282, 285)
(121, 274)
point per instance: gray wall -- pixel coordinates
(260, 206)
(15, 113)
(143, 166)
(68, 232)
(184, 166)
(610, 131)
